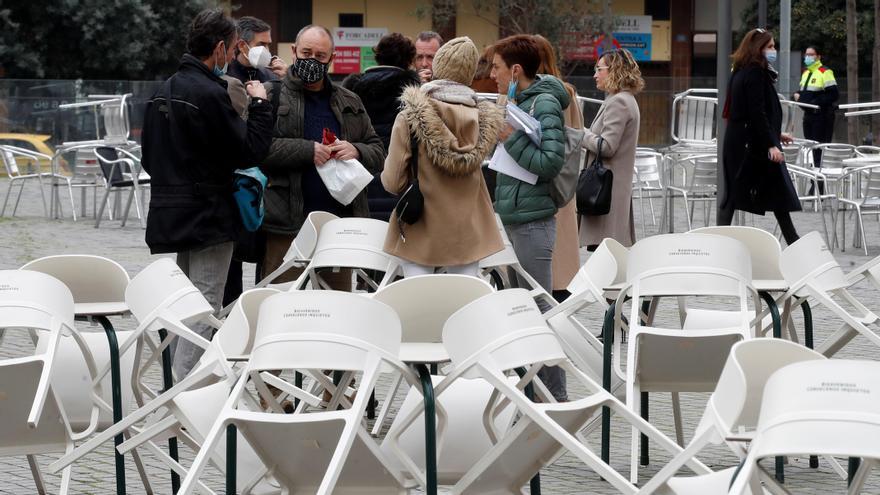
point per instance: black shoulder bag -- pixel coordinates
(594, 187)
(411, 203)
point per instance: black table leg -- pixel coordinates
(529, 391)
(116, 385)
(774, 313)
(607, 345)
(430, 429)
(168, 382)
(808, 341)
(231, 453)
(851, 469)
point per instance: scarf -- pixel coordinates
(450, 92)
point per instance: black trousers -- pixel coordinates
(783, 218)
(819, 127)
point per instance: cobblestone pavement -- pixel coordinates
(29, 236)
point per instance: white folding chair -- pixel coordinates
(825, 407)
(311, 332)
(33, 417)
(688, 359)
(731, 415)
(423, 304)
(355, 243)
(502, 332)
(814, 275)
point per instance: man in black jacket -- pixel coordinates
(193, 140)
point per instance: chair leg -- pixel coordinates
(100, 214)
(862, 231)
(688, 212)
(18, 198)
(8, 191)
(131, 196)
(676, 418)
(35, 472)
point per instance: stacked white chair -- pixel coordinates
(322, 447)
(189, 408)
(688, 359)
(355, 243)
(34, 419)
(826, 407)
(502, 332)
(301, 248)
(731, 413)
(814, 275)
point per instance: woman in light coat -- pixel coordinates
(617, 123)
(455, 133)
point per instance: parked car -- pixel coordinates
(32, 142)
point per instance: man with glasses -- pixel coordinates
(310, 102)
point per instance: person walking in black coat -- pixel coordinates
(755, 176)
(379, 88)
(193, 140)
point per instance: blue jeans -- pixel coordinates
(533, 244)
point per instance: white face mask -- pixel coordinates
(259, 57)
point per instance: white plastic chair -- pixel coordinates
(814, 275)
(313, 331)
(505, 331)
(687, 359)
(826, 407)
(302, 247)
(34, 420)
(355, 243)
(732, 411)
(506, 258)
(194, 402)
(423, 304)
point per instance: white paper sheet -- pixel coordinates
(503, 163)
(521, 120)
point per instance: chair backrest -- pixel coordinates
(689, 264)
(867, 150)
(494, 317)
(19, 381)
(693, 116)
(827, 407)
(599, 271)
(871, 183)
(30, 299)
(91, 279)
(793, 154)
(236, 336)
(647, 168)
(810, 253)
(737, 397)
(9, 163)
(326, 311)
(425, 302)
(705, 172)
(763, 247)
(163, 284)
(111, 167)
(352, 242)
(116, 121)
(303, 245)
(833, 154)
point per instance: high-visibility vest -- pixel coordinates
(817, 77)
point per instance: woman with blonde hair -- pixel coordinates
(617, 124)
(566, 258)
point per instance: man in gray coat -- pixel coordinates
(309, 103)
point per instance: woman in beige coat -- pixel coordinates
(617, 123)
(455, 133)
(566, 256)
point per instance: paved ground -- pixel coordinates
(29, 236)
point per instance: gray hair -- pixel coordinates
(248, 27)
(428, 36)
(316, 26)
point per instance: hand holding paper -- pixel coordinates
(343, 175)
(521, 120)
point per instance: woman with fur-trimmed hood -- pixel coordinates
(455, 132)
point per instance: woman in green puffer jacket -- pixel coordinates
(527, 210)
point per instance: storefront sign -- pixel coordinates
(354, 48)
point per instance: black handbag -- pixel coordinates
(594, 187)
(411, 204)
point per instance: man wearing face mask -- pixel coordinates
(253, 61)
(193, 140)
(309, 103)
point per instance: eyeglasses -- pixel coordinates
(760, 30)
(600, 68)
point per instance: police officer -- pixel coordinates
(818, 87)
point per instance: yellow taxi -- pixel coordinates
(32, 142)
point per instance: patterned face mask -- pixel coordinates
(310, 70)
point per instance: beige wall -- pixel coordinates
(481, 27)
(395, 15)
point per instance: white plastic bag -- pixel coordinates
(345, 179)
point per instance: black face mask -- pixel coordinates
(310, 70)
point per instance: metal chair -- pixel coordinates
(647, 181)
(701, 172)
(121, 170)
(9, 155)
(865, 200)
